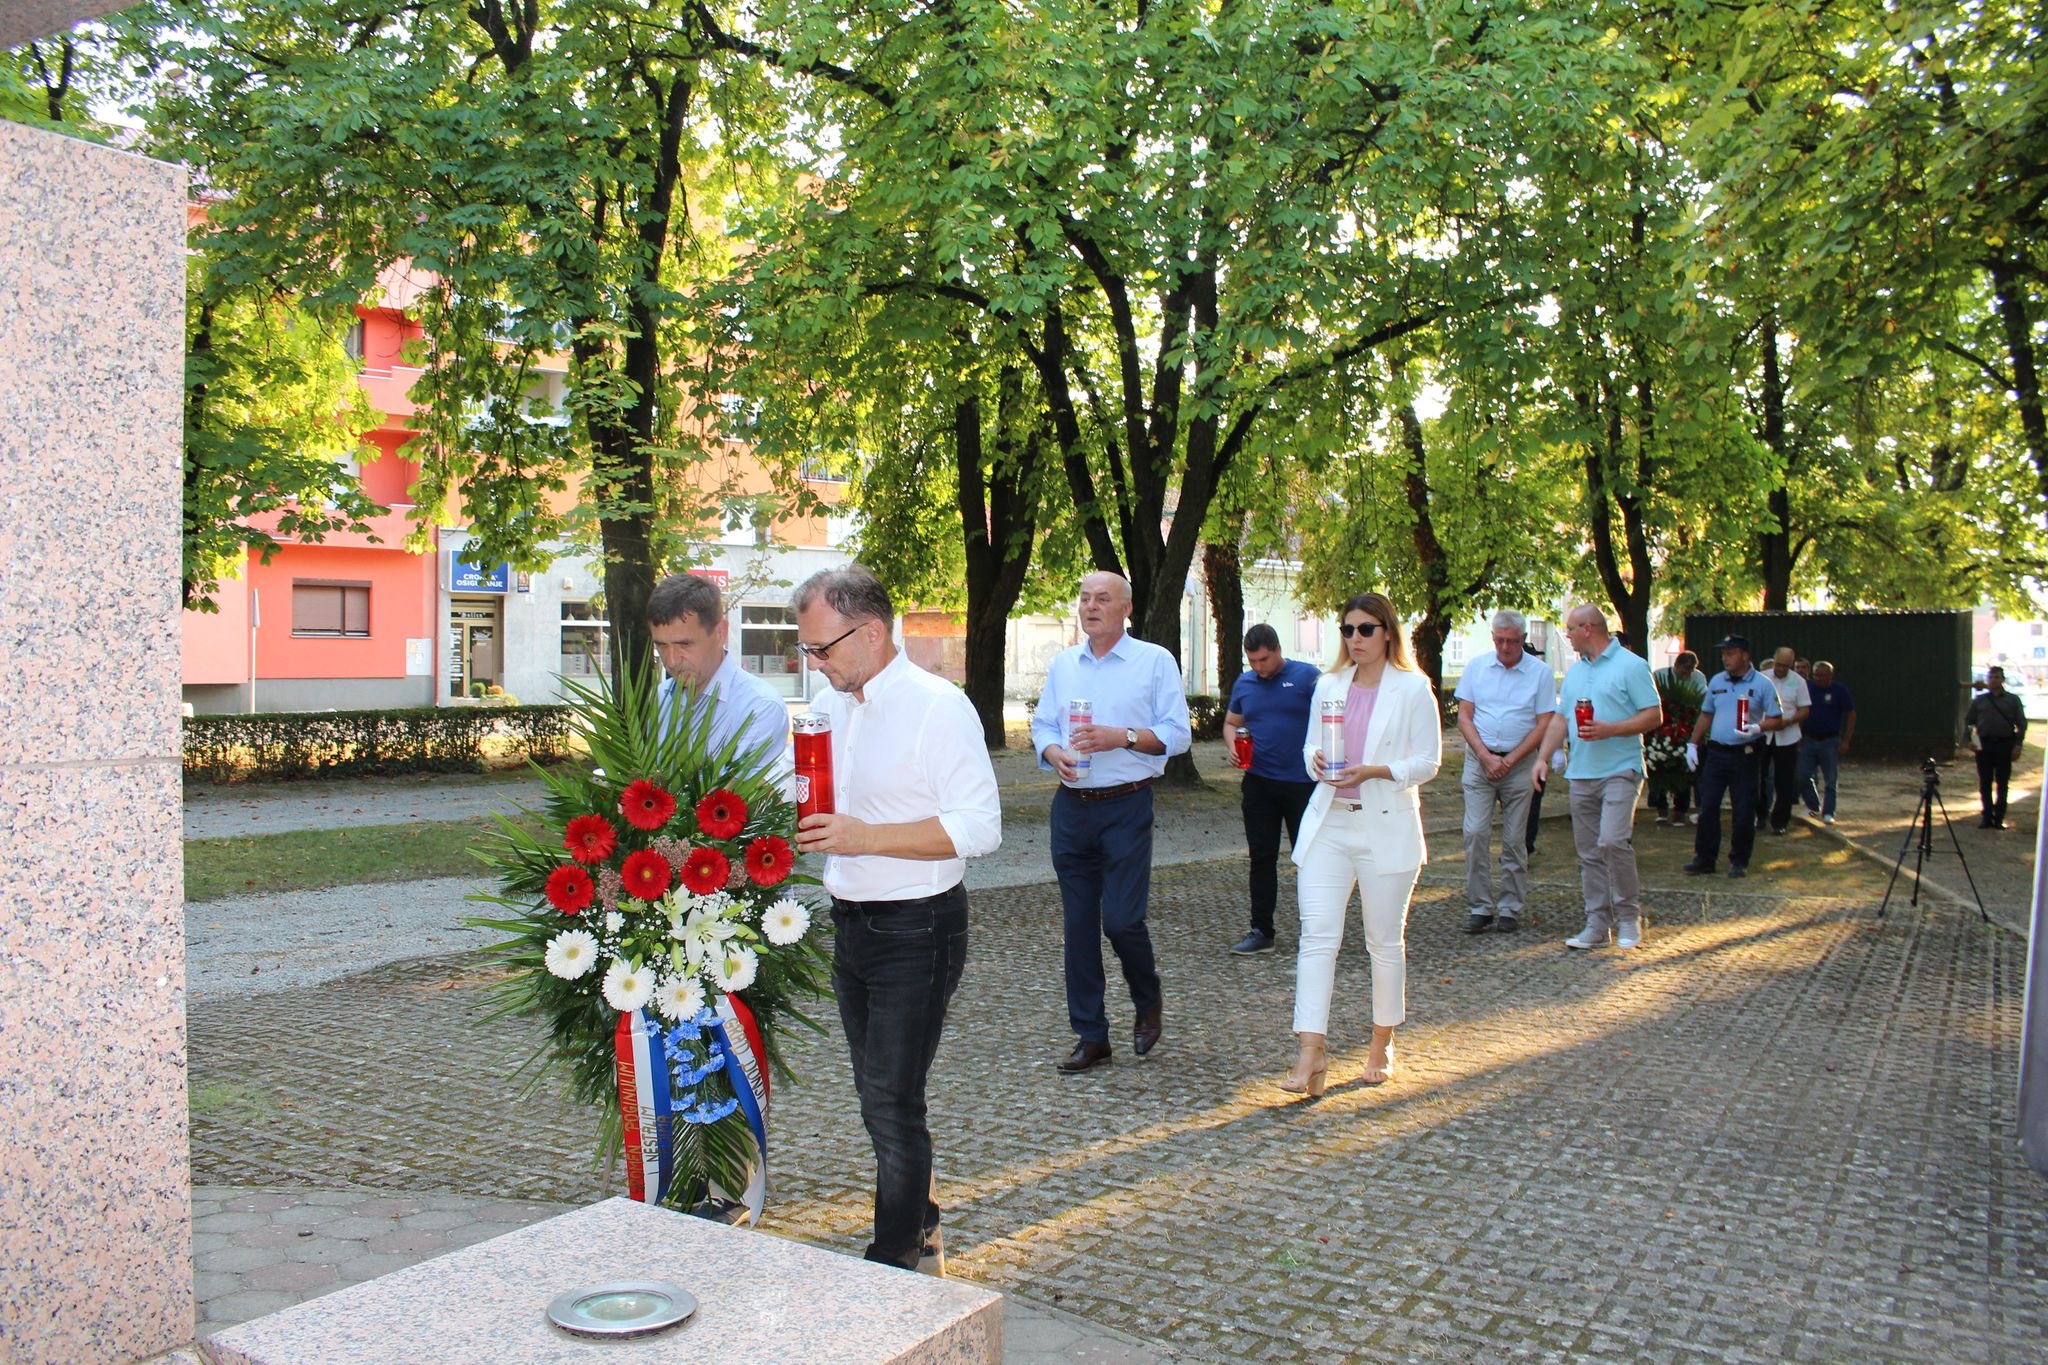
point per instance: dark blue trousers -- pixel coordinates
(1102, 853)
(1732, 771)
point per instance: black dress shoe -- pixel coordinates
(1145, 1033)
(1697, 868)
(1506, 924)
(1086, 1056)
(1479, 924)
(1254, 941)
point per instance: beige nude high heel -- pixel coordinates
(1311, 1069)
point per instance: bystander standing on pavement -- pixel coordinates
(686, 623)
(916, 797)
(1270, 704)
(1740, 706)
(1102, 812)
(1680, 687)
(1997, 726)
(1605, 772)
(1504, 704)
(1825, 733)
(1779, 770)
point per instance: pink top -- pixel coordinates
(1358, 706)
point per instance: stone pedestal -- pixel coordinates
(761, 1298)
(95, 1222)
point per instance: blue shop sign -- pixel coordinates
(466, 577)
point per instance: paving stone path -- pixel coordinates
(1780, 1131)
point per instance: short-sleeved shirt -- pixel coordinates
(1276, 711)
(1831, 706)
(1619, 684)
(1792, 695)
(1507, 703)
(1997, 716)
(1722, 694)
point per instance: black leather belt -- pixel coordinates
(1500, 753)
(1107, 793)
(887, 907)
(1733, 748)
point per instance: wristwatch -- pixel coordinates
(1130, 739)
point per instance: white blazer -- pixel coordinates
(1406, 734)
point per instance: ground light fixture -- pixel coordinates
(622, 1308)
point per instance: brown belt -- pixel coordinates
(1107, 793)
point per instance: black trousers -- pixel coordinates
(1776, 777)
(1994, 772)
(1732, 771)
(1269, 804)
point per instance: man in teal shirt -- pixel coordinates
(1605, 772)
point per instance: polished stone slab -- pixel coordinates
(762, 1299)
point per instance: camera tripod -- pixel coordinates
(1923, 827)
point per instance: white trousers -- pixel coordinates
(1341, 858)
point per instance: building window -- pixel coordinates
(738, 419)
(331, 609)
(586, 641)
(1454, 648)
(353, 342)
(749, 518)
(768, 647)
(819, 470)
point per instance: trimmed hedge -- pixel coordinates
(274, 746)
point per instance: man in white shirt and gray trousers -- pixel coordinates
(916, 798)
(1504, 700)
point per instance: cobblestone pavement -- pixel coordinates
(1780, 1131)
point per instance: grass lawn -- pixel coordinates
(307, 859)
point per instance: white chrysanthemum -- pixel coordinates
(571, 954)
(628, 986)
(613, 922)
(786, 921)
(679, 997)
(733, 969)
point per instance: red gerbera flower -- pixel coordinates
(705, 871)
(646, 874)
(570, 889)
(722, 814)
(646, 806)
(590, 839)
(769, 860)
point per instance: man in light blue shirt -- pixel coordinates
(1730, 732)
(1504, 704)
(1605, 772)
(686, 621)
(1102, 817)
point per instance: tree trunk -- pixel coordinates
(1435, 627)
(2009, 295)
(998, 520)
(1774, 544)
(1223, 570)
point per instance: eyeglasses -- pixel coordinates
(820, 651)
(1365, 628)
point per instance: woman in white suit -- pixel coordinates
(1363, 828)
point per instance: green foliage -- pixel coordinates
(272, 746)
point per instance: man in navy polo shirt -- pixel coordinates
(1271, 704)
(1829, 724)
(1728, 762)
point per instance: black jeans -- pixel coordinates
(1732, 771)
(1268, 804)
(1777, 777)
(895, 966)
(1994, 771)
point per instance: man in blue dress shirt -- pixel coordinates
(1271, 704)
(1728, 761)
(1102, 815)
(686, 621)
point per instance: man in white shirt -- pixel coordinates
(686, 621)
(1504, 703)
(916, 798)
(1777, 775)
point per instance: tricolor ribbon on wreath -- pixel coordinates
(658, 1075)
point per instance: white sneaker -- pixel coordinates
(1827, 819)
(1628, 935)
(1693, 819)
(1588, 937)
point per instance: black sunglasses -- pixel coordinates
(820, 651)
(1365, 628)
